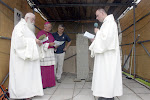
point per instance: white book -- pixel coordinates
(58, 43)
(89, 35)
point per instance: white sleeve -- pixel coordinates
(105, 38)
(25, 48)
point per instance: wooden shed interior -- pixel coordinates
(79, 10)
(79, 16)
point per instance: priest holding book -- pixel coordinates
(47, 63)
(24, 66)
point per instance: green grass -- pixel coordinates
(127, 74)
(138, 79)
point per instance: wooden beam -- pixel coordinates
(88, 10)
(107, 7)
(87, 4)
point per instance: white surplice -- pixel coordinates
(107, 74)
(49, 57)
(24, 68)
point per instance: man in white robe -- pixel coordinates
(24, 68)
(107, 76)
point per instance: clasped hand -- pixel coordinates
(38, 42)
(51, 44)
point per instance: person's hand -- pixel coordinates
(56, 46)
(51, 44)
(38, 42)
(65, 49)
(95, 30)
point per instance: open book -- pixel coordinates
(43, 38)
(58, 43)
(89, 35)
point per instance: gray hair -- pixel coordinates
(47, 24)
(61, 25)
(28, 15)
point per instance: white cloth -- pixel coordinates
(59, 64)
(24, 67)
(49, 57)
(107, 76)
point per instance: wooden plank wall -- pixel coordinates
(6, 28)
(71, 29)
(142, 28)
(7, 25)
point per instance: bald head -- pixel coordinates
(102, 10)
(101, 14)
(30, 19)
(30, 16)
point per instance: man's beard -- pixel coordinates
(31, 26)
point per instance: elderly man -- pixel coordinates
(47, 63)
(60, 50)
(24, 68)
(107, 77)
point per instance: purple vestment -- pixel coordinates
(47, 72)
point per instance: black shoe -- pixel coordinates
(59, 80)
(101, 98)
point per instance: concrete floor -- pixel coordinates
(70, 90)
